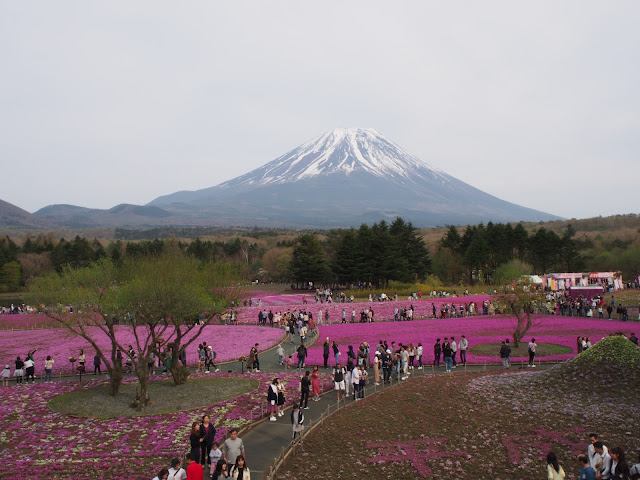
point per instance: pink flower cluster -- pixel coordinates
(39, 443)
(544, 440)
(382, 310)
(478, 330)
(418, 452)
(229, 342)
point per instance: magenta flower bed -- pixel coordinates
(37, 443)
(229, 342)
(382, 310)
(478, 330)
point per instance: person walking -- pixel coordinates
(325, 353)
(272, 399)
(233, 447)
(504, 354)
(338, 380)
(305, 384)
(376, 368)
(454, 350)
(437, 351)
(315, 383)
(240, 471)
(532, 352)
(96, 364)
(464, 344)
(446, 352)
(297, 420)
(280, 353)
(302, 355)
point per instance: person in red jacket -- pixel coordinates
(194, 469)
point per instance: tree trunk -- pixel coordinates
(142, 393)
(179, 373)
(115, 380)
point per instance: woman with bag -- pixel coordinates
(272, 399)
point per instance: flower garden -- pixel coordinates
(41, 443)
(482, 425)
(229, 342)
(383, 310)
(478, 330)
(430, 427)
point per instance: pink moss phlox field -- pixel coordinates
(417, 452)
(229, 342)
(382, 310)
(478, 330)
(544, 440)
(39, 443)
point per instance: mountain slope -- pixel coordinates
(344, 178)
(12, 216)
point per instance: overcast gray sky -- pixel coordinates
(104, 103)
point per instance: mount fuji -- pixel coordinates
(346, 177)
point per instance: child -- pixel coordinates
(215, 455)
(6, 373)
(289, 361)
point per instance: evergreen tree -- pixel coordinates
(307, 260)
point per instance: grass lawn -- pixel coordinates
(542, 350)
(481, 425)
(627, 297)
(165, 398)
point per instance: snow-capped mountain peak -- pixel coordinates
(342, 151)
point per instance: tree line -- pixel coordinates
(373, 255)
(376, 254)
(40, 255)
(488, 253)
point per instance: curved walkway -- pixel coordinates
(267, 442)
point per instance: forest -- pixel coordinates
(376, 254)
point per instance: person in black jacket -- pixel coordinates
(305, 384)
(437, 351)
(325, 353)
(302, 355)
(447, 354)
(297, 419)
(208, 435)
(195, 440)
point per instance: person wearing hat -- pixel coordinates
(387, 362)
(6, 373)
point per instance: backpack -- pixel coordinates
(339, 375)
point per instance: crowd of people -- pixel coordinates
(598, 463)
(222, 461)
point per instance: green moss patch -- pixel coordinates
(542, 350)
(165, 398)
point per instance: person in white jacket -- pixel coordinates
(355, 380)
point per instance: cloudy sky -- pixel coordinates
(104, 103)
